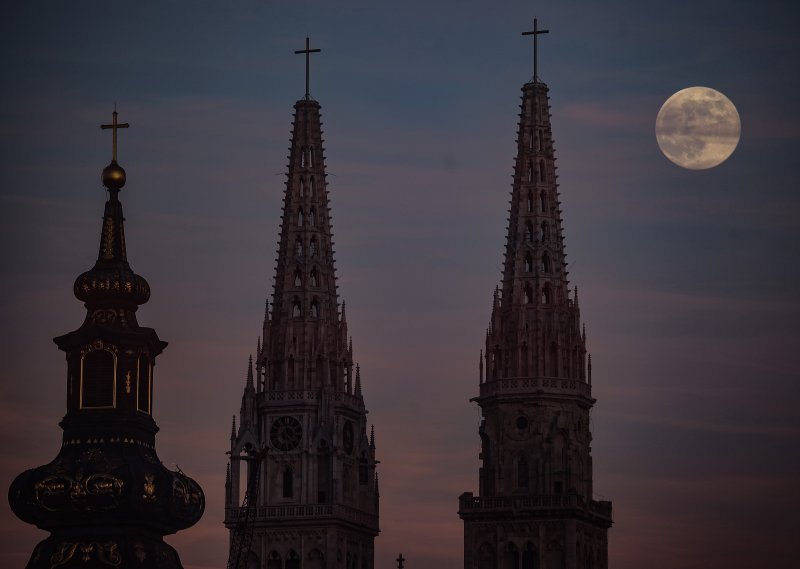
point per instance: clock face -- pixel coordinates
(285, 433)
(347, 437)
(519, 427)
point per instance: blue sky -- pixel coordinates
(688, 279)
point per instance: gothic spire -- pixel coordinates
(249, 384)
(535, 325)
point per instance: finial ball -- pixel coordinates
(113, 176)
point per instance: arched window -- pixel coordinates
(323, 473)
(531, 137)
(311, 151)
(530, 172)
(144, 384)
(315, 308)
(274, 560)
(530, 203)
(288, 482)
(546, 294)
(315, 559)
(298, 277)
(540, 140)
(314, 247)
(528, 263)
(545, 262)
(545, 232)
(313, 279)
(529, 232)
(541, 170)
(542, 202)
(311, 217)
(303, 157)
(313, 187)
(511, 556)
(522, 472)
(300, 217)
(296, 310)
(298, 247)
(292, 560)
(486, 558)
(98, 379)
(302, 187)
(530, 557)
(528, 294)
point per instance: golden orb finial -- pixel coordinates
(114, 176)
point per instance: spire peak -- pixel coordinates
(536, 32)
(308, 51)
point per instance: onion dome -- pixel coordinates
(112, 282)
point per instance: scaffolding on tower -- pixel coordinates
(242, 535)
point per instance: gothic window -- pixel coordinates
(540, 140)
(300, 217)
(545, 262)
(528, 263)
(530, 172)
(541, 170)
(302, 187)
(542, 202)
(296, 311)
(311, 217)
(315, 308)
(313, 279)
(523, 475)
(528, 232)
(144, 384)
(303, 157)
(546, 294)
(486, 558)
(314, 247)
(531, 137)
(313, 187)
(98, 378)
(274, 560)
(298, 277)
(363, 469)
(545, 232)
(292, 560)
(311, 152)
(298, 247)
(553, 360)
(511, 557)
(315, 559)
(530, 557)
(528, 294)
(530, 203)
(323, 473)
(288, 482)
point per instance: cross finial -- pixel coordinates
(307, 51)
(535, 33)
(400, 560)
(114, 126)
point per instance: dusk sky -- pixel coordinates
(688, 280)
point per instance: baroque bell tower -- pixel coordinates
(302, 448)
(535, 507)
(106, 499)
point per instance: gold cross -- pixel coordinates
(114, 126)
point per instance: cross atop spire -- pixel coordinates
(308, 51)
(535, 33)
(114, 126)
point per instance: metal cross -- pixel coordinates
(535, 33)
(114, 126)
(400, 560)
(307, 51)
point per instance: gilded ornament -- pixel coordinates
(108, 238)
(128, 382)
(149, 488)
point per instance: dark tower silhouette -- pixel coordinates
(535, 507)
(106, 499)
(302, 423)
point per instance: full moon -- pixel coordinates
(698, 128)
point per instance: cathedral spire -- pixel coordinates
(249, 384)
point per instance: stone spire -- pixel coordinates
(304, 334)
(535, 329)
(107, 498)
